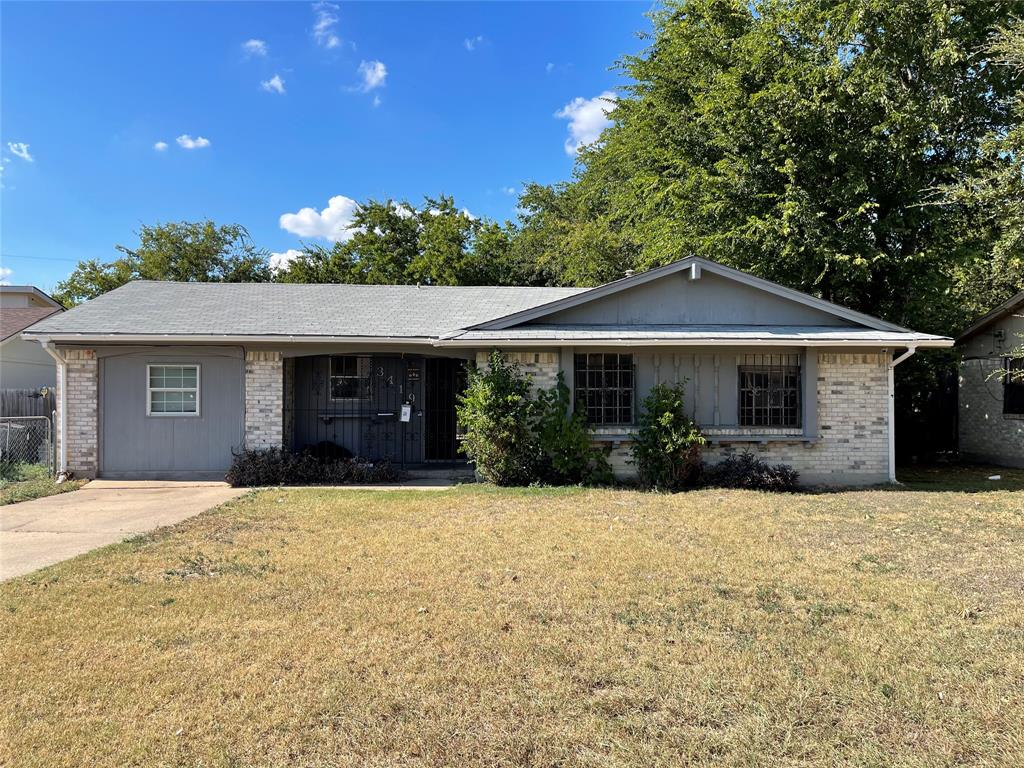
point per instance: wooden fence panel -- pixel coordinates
(27, 402)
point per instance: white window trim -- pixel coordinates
(178, 414)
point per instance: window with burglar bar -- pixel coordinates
(603, 384)
(350, 377)
(1013, 386)
(769, 391)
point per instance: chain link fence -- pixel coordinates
(25, 441)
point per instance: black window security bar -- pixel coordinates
(350, 377)
(769, 391)
(1013, 386)
(604, 387)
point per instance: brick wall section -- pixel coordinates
(853, 430)
(986, 434)
(541, 367)
(83, 412)
(264, 400)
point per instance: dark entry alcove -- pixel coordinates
(353, 403)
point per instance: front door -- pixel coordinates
(445, 379)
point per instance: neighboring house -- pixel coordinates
(24, 364)
(992, 403)
(167, 379)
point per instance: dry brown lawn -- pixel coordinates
(478, 627)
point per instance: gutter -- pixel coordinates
(62, 366)
(236, 340)
(691, 342)
(892, 408)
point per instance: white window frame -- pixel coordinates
(173, 414)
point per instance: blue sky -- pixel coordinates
(370, 100)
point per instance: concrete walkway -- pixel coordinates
(41, 532)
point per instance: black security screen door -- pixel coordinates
(351, 405)
(445, 378)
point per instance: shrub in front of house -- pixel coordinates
(279, 466)
(667, 445)
(745, 470)
(496, 415)
(568, 453)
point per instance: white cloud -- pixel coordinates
(160, 146)
(20, 149)
(549, 67)
(509, 190)
(273, 85)
(5, 273)
(332, 223)
(187, 142)
(587, 118)
(471, 43)
(403, 211)
(255, 47)
(282, 262)
(326, 21)
(376, 101)
(374, 73)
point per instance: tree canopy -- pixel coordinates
(394, 242)
(808, 142)
(189, 251)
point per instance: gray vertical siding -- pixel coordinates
(134, 444)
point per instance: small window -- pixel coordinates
(350, 377)
(1013, 386)
(769, 391)
(603, 385)
(172, 390)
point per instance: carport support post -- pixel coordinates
(264, 399)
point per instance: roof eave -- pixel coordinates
(171, 338)
(1003, 310)
(704, 342)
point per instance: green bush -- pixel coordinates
(567, 451)
(496, 414)
(666, 448)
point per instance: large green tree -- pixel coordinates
(199, 251)
(995, 198)
(807, 141)
(395, 242)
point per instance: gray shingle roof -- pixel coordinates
(147, 307)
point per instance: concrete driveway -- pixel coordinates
(37, 533)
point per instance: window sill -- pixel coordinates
(1014, 416)
(761, 437)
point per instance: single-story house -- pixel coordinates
(24, 364)
(167, 379)
(991, 406)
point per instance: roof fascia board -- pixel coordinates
(86, 338)
(859, 343)
(1004, 309)
(677, 266)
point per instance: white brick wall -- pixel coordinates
(264, 400)
(986, 433)
(541, 367)
(82, 416)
